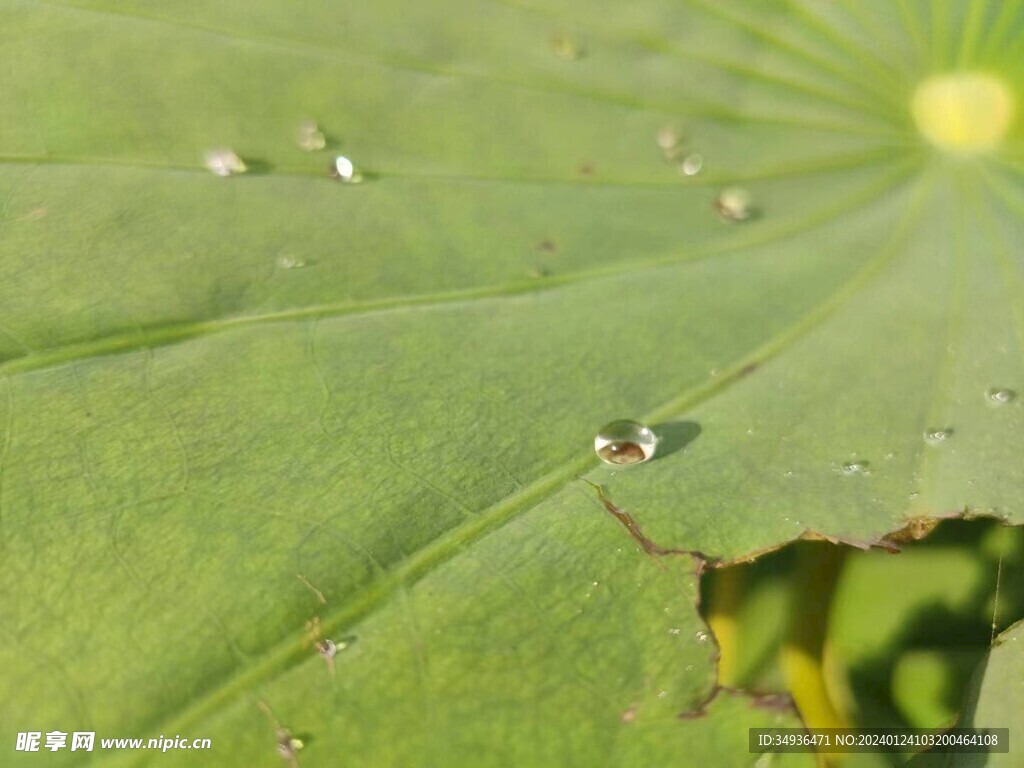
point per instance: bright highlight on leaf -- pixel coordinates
(963, 112)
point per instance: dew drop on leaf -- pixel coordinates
(692, 164)
(937, 436)
(625, 442)
(668, 138)
(224, 162)
(309, 137)
(343, 170)
(999, 396)
(854, 468)
(327, 648)
(733, 204)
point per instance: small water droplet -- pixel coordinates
(662, 694)
(937, 436)
(890, 456)
(999, 396)
(290, 262)
(287, 745)
(327, 648)
(854, 468)
(674, 631)
(733, 204)
(689, 667)
(625, 442)
(692, 164)
(789, 473)
(914, 494)
(309, 137)
(668, 139)
(342, 169)
(701, 636)
(565, 48)
(224, 162)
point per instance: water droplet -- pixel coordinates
(668, 137)
(565, 48)
(674, 631)
(890, 456)
(224, 162)
(937, 436)
(701, 636)
(327, 648)
(999, 396)
(733, 204)
(854, 468)
(662, 694)
(914, 494)
(789, 473)
(309, 137)
(692, 164)
(689, 667)
(342, 169)
(625, 442)
(287, 745)
(290, 262)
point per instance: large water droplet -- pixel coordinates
(224, 162)
(342, 169)
(733, 204)
(1000, 396)
(625, 442)
(937, 436)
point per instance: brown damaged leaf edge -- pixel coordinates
(655, 550)
(773, 702)
(915, 529)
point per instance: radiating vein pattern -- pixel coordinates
(242, 415)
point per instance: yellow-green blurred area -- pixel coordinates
(881, 639)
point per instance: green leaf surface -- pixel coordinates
(229, 407)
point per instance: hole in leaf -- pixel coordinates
(869, 638)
